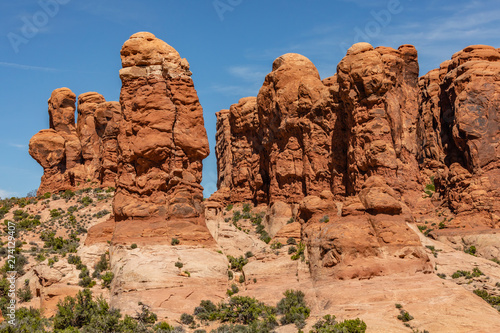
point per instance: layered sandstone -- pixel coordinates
(459, 131)
(161, 145)
(162, 139)
(339, 153)
(76, 155)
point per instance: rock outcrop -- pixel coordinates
(158, 202)
(343, 150)
(459, 130)
(162, 139)
(76, 155)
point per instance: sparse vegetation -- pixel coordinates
(471, 250)
(430, 188)
(300, 252)
(175, 241)
(237, 263)
(329, 325)
(325, 219)
(293, 308)
(468, 275)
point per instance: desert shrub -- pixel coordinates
(276, 245)
(229, 207)
(133, 246)
(246, 208)
(207, 310)
(68, 194)
(234, 290)
(430, 188)
(293, 308)
(85, 201)
(27, 321)
(179, 264)
(249, 254)
(175, 241)
(82, 311)
(325, 219)
(300, 252)
(237, 263)
(291, 241)
(15, 264)
(101, 266)
(54, 213)
(102, 213)
(329, 325)
(187, 319)
(230, 275)
(471, 250)
(107, 278)
(264, 236)
(25, 294)
(236, 216)
(405, 316)
(492, 300)
(292, 250)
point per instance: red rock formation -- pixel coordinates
(162, 139)
(378, 89)
(458, 133)
(71, 155)
(329, 135)
(238, 152)
(343, 148)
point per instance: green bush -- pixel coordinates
(430, 188)
(404, 316)
(187, 319)
(107, 278)
(237, 263)
(175, 241)
(85, 201)
(246, 208)
(330, 325)
(179, 264)
(293, 308)
(291, 241)
(300, 252)
(54, 213)
(249, 254)
(229, 207)
(234, 290)
(133, 246)
(471, 250)
(236, 216)
(68, 194)
(325, 219)
(24, 293)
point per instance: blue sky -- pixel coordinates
(230, 45)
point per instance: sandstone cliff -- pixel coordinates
(77, 155)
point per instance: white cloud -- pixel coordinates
(235, 90)
(27, 67)
(18, 145)
(6, 194)
(247, 73)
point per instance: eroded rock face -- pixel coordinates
(459, 131)
(71, 154)
(342, 150)
(378, 90)
(162, 140)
